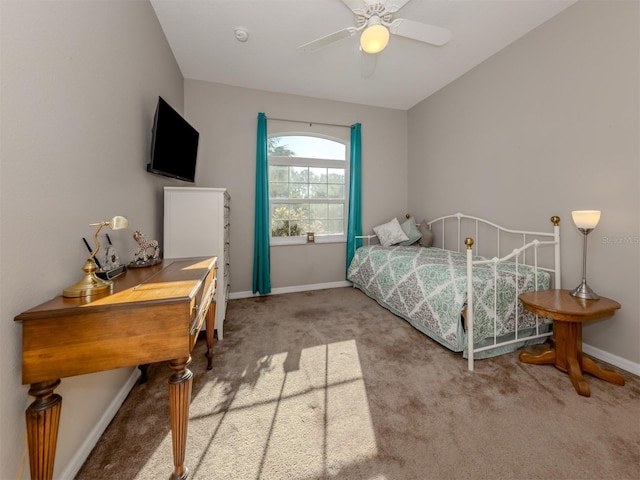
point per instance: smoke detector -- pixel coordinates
(241, 33)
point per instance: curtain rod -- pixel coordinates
(310, 123)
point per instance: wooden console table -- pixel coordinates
(154, 314)
(568, 313)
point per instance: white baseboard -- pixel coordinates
(75, 464)
(297, 288)
(611, 359)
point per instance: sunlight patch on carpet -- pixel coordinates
(318, 393)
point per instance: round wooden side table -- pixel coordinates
(568, 314)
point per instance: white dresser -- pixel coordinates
(196, 223)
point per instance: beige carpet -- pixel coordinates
(329, 385)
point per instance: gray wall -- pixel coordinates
(226, 118)
(80, 81)
(548, 125)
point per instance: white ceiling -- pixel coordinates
(201, 35)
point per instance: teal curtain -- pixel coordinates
(355, 193)
(261, 259)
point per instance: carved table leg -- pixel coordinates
(610, 376)
(43, 419)
(543, 358)
(210, 323)
(180, 384)
(577, 380)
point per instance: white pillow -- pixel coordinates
(390, 233)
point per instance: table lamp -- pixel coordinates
(586, 221)
(90, 284)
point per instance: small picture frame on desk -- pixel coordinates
(311, 238)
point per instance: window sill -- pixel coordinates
(303, 241)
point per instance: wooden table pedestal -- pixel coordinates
(568, 313)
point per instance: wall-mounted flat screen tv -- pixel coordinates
(174, 144)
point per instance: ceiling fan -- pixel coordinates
(374, 18)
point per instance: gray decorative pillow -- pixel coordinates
(390, 233)
(411, 230)
(427, 235)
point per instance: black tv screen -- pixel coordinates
(174, 144)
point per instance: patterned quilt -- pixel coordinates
(428, 288)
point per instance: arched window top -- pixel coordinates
(305, 146)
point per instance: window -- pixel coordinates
(308, 181)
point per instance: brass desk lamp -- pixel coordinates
(90, 284)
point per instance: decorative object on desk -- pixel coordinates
(111, 266)
(586, 221)
(111, 259)
(148, 252)
(91, 284)
(311, 238)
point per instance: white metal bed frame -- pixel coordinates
(515, 257)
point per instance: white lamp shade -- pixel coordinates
(586, 218)
(118, 222)
(374, 39)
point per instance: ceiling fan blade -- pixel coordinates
(394, 5)
(359, 7)
(420, 31)
(326, 40)
(368, 63)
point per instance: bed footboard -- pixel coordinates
(517, 257)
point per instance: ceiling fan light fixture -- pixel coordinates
(374, 38)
